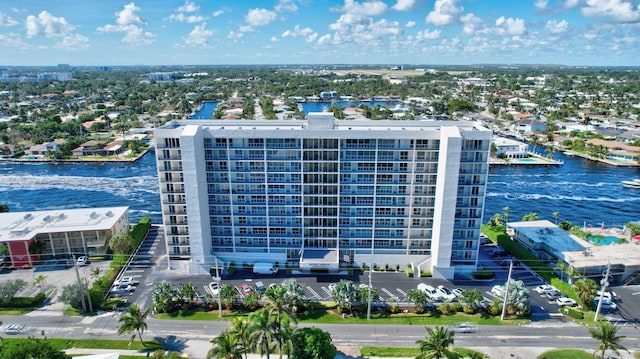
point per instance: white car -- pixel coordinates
(122, 288)
(446, 294)
(565, 302)
(214, 289)
(543, 289)
(83, 261)
(431, 292)
(457, 292)
(611, 296)
(465, 328)
(126, 281)
(498, 291)
(554, 294)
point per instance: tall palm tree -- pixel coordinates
(241, 329)
(262, 325)
(506, 215)
(606, 333)
(585, 289)
(188, 292)
(134, 319)
(436, 344)
(225, 346)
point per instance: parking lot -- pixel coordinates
(149, 266)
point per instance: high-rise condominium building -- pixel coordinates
(323, 194)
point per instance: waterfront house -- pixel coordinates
(618, 151)
(99, 148)
(36, 235)
(528, 125)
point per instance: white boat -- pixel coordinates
(634, 183)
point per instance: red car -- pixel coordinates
(245, 290)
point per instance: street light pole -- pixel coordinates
(219, 288)
(605, 283)
(506, 291)
(370, 271)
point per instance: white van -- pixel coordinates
(265, 268)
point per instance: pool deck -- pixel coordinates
(529, 161)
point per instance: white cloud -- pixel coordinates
(541, 4)
(570, 4)
(363, 29)
(235, 35)
(7, 21)
(220, 12)
(510, 26)
(188, 7)
(557, 27)
(286, 6)
(428, 35)
(199, 36)
(324, 39)
(127, 16)
(13, 40)
(617, 10)
(181, 17)
(471, 23)
(367, 8)
(260, 17)
(444, 12)
(184, 14)
(73, 42)
(410, 24)
(47, 25)
(274, 39)
(404, 5)
(129, 23)
(298, 32)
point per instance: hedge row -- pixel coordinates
(26, 302)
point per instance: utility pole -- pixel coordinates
(219, 288)
(506, 291)
(75, 265)
(370, 271)
(605, 283)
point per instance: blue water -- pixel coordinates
(604, 240)
(323, 106)
(580, 190)
(206, 111)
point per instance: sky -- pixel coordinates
(239, 32)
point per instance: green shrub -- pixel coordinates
(445, 308)
(457, 307)
(483, 274)
(425, 273)
(573, 312)
(564, 287)
(111, 302)
(139, 231)
(409, 271)
(26, 302)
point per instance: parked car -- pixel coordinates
(554, 294)
(122, 288)
(607, 305)
(83, 261)
(214, 289)
(543, 289)
(431, 292)
(565, 302)
(446, 294)
(457, 292)
(245, 290)
(126, 281)
(13, 329)
(260, 287)
(611, 296)
(498, 290)
(498, 252)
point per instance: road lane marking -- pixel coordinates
(390, 294)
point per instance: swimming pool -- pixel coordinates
(603, 240)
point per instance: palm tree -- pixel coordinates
(436, 344)
(606, 333)
(262, 325)
(188, 292)
(225, 346)
(585, 290)
(134, 319)
(556, 215)
(241, 329)
(506, 215)
(162, 296)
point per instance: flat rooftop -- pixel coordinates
(21, 226)
(576, 251)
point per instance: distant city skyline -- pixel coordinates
(455, 32)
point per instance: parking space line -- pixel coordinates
(327, 291)
(390, 294)
(404, 294)
(314, 293)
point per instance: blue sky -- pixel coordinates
(163, 32)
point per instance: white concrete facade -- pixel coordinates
(410, 193)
